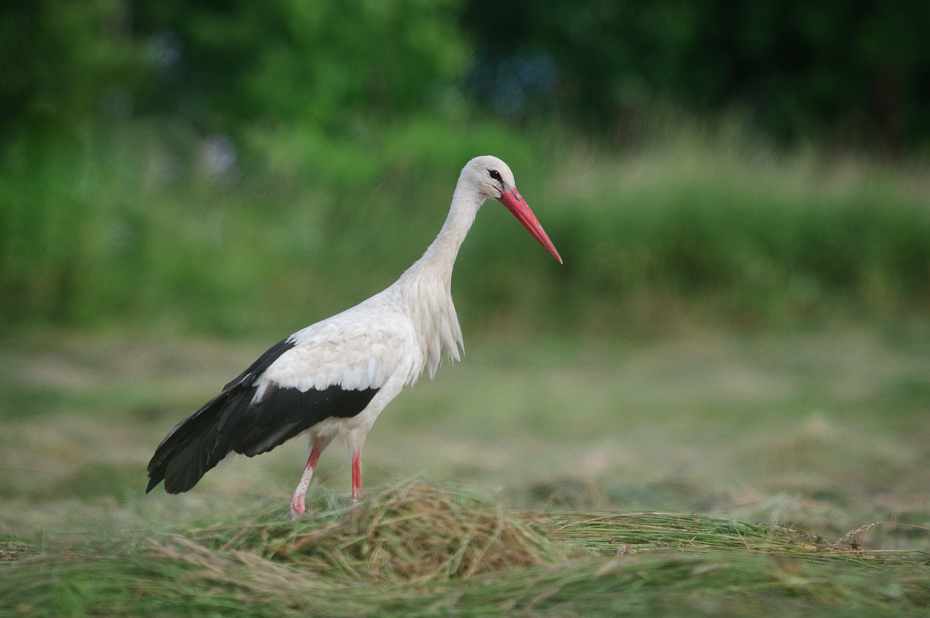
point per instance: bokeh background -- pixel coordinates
(740, 191)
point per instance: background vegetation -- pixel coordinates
(177, 164)
(740, 331)
(853, 73)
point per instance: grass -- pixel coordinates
(416, 549)
(710, 474)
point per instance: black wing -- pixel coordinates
(231, 422)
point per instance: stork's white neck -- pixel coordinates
(442, 252)
(426, 287)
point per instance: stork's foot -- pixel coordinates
(297, 507)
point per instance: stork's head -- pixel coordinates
(493, 179)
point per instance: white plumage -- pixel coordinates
(333, 378)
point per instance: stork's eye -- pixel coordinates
(495, 175)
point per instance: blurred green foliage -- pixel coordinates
(59, 59)
(318, 61)
(218, 64)
(178, 164)
(140, 236)
(853, 71)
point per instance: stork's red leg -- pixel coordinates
(297, 501)
(356, 476)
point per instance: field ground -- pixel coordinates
(821, 431)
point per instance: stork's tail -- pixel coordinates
(238, 420)
(198, 443)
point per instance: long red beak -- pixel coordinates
(518, 206)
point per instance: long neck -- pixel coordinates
(426, 287)
(441, 254)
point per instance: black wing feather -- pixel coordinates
(230, 422)
(263, 362)
(287, 412)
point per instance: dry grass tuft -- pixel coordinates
(413, 532)
(11, 550)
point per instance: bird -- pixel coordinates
(332, 379)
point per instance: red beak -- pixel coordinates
(518, 206)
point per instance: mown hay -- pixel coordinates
(11, 550)
(419, 550)
(624, 533)
(413, 532)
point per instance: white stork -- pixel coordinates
(335, 377)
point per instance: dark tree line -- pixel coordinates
(853, 70)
